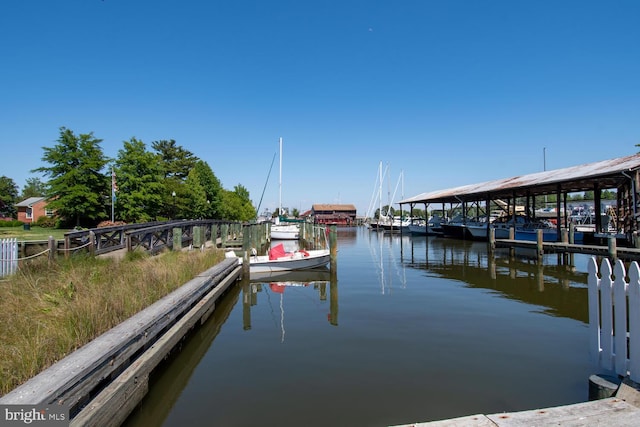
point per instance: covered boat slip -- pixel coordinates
(619, 175)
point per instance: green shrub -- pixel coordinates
(46, 222)
(12, 223)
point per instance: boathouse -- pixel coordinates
(334, 214)
(619, 174)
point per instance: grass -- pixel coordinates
(36, 233)
(48, 311)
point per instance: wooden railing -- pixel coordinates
(150, 236)
(614, 317)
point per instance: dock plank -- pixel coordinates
(604, 412)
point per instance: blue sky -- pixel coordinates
(448, 92)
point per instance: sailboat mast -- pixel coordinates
(280, 183)
(380, 194)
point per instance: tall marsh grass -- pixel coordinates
(49, 310)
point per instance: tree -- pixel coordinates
(236, 205)
(176, 161)
(34, 187)
(196, 198)
(212, 188)
(77, 187)
(8, 197)
(139, 180)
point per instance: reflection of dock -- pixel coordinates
(556, 288)
(319, 278)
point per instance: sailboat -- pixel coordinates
(283, 231)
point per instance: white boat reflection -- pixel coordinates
(281, 282)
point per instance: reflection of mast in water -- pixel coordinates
(282, 316)
(279, 289)
(374, 256)
(386, 282)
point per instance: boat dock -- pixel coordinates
(611, 250)
(621, 410)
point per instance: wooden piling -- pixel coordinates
(197, 236)
(572, 233)
(512, 236)
(492, 239)
(333, 247)
(177, 238)
(612, 248)
(539, 240)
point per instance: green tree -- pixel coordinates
(77, 188)
(139, 181)
(196, 205)
(8, 197)
(176, 161)
(34, 187)
(236, 205)
(212, 188)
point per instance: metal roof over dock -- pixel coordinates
(605, 174)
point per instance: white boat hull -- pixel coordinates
(296, 261)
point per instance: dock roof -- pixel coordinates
(606, 174)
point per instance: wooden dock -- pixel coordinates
(622, 410)
(632, 254)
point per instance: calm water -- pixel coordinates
(410, 329)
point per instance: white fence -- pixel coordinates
(8, 256)
(614, 317)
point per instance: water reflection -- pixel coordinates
(388, 268)
(554, 284)
(430, 328)
(170, 378)
(280, 283)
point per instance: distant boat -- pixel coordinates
(433, 227)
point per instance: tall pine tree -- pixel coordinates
(139, 178)
(78, 189)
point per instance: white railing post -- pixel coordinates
(614, 304)
(8, 256)
(633, 291)
(593, 283)
(606, 316)
(620, 318)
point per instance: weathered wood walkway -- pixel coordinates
(621, 411)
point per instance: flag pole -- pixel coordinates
(113, 194)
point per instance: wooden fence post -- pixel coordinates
(177, 238)
(92, 243)
(67, 246)
(53, 248)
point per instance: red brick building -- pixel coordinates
(334, 214)
(29, 210)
